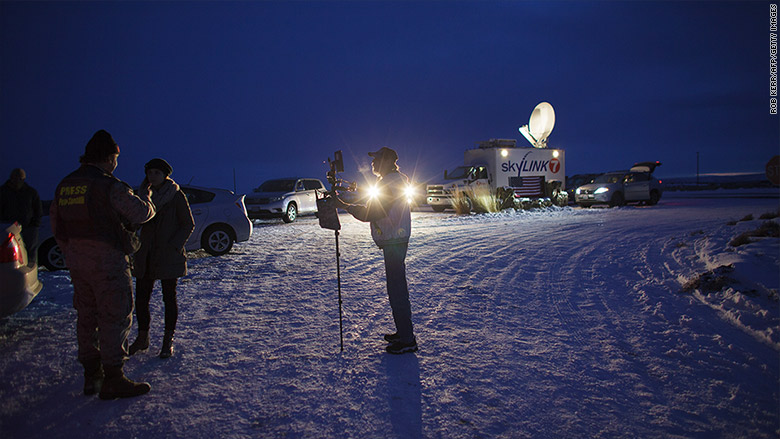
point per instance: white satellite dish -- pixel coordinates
(540, 125)
(542, 122)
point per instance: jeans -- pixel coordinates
(143, 293)
(398, 290)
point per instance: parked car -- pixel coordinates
(19, 282)
(220, 220)
(285, 198)
(575, 181)
(619, 187)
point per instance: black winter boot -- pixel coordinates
(141, 342)
(167, 346)
(116, 385)
(93, 377)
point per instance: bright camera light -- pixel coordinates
(373, 192)
(504, 153)
(410, 192)
(555, 154)
(601, 190)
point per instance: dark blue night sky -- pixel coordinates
(270, 89)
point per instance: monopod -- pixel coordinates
(329, 219)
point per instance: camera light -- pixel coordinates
(373, 192)
(410, 192)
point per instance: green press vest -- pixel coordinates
(84, 210)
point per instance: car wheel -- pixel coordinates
(217, 240)
(584, 206)
(291, 214)
(50, 256)
(654, 197)
(617, 200)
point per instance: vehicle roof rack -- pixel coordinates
(497, 143)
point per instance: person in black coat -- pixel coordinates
(19, 202)
(162, 255)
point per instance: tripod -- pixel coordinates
(338, 280)
(329, 219)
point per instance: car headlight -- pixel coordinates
(577, 191)
(275, 199)
(601, 190)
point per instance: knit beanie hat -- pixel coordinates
(99, 148)
(160, 165)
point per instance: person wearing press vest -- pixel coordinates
(94, 216)
(390, 218)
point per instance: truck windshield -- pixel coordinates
(459, 173)
(277, 186)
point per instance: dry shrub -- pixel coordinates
(769, 229)
(710, 281)
(461, 203)
(769, 215)
(484, 199)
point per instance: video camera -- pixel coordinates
(326, 211)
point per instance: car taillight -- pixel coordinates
(240, 203)
(9, 252)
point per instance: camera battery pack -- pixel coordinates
(328, 214)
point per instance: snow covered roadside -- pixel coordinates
(558, 323)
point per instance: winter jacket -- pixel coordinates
(93, 205)
(22, 206)
(388, 213)
(162, 254)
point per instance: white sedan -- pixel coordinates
(220, 220)
(19, 282)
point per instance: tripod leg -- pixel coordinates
(338, 277)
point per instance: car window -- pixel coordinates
(299, 185)
(637, 177)
(311, 185)
(197, 196)
(277, 186)
(609, 178)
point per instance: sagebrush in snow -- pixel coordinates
(767, 229)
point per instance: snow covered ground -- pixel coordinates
(566, 323)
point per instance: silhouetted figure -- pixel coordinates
(19, 202)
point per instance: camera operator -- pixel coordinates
(390, 220)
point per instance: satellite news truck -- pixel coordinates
(516, 176)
